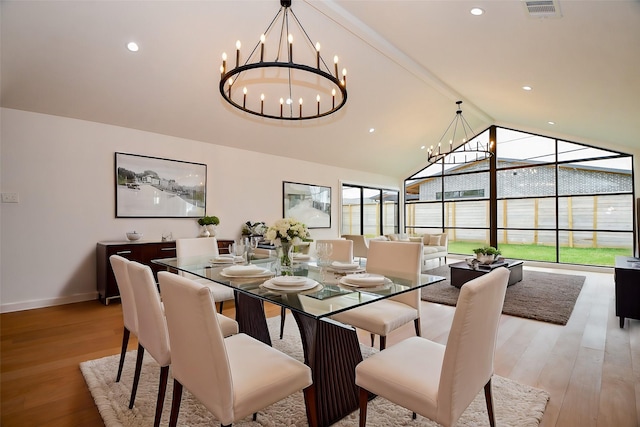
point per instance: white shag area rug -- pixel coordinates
(515, 404)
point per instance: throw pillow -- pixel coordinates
(415, 239)
(392, 237)
(434, 240)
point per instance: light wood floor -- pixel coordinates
(590, 367)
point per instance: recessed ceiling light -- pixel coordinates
(551, 123)
(423, 147)
(132, 46)
(527, 88)
(372, 130)
(477, 11)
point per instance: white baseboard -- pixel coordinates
(29, 305)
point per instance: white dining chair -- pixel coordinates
(394, 259)
(204, 246)
(438, 381)
(232, 377)
(360, 245)
(152, 330)
(129, 316)
(342, 249)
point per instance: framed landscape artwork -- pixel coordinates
(151, 187)
(310, 204)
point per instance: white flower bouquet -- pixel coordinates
(287, 230)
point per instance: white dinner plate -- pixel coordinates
(245, 271)
(289, 280)
(336, 265)
(365, 280)
(309, 284)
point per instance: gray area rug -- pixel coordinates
(547, 297)
(515, 404)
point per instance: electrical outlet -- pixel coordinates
(10, 198)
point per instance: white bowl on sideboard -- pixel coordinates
(134, 235)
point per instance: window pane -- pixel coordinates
(464, 241)
(424, 215)
(578, 247)
(350, 223)
(371, 226)
(532, 245)
(389, 212)
(514, 145)
(598, 176)
(527, 182)
(527, 213)
(571, 151)
(423, 189)
(596, 212)
(465, 186)
(473, 214)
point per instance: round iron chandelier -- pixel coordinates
(281, 88)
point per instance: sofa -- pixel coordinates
(435, 245)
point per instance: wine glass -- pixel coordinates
(240, 251)
(324, 250)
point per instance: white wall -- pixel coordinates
(63, 171)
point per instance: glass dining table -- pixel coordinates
(331, 349)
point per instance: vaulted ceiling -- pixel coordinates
(408, 62)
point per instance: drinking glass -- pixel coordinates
(324, 250)
(240, 251)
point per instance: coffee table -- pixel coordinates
(461, 272)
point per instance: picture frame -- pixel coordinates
(308, 203)
(153, 187)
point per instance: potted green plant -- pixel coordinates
(208, 224)
(486, 254)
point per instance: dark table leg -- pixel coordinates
(332, 352)
(251, 318)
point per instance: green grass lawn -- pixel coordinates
(585, 256)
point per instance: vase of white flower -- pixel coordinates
(285, 257)
(285, 234)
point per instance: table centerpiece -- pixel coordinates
(285, 234)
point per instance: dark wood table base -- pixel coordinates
(331, 350)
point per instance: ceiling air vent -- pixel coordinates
(542, 8)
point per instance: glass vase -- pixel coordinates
(285, 258)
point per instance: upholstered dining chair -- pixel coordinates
(395, 259)
(360, 245)
(152, 330)
(342, 249)
(129, 316)
(232, 377)
(204, 246)
(443, 387)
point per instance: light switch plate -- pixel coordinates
(10, 198)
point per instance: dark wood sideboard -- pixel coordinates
(142, 251)
(627, 277)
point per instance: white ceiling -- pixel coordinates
(407, 61)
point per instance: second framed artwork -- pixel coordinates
(310, 204)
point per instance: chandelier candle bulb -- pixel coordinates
(318, 55)
(300, 101)
(238, 45)
(262, 40)
(281, 103)
(244, 100)
(224, 62)
(344, 77)
(318, 99)
(335, 63)
(230, 84)
(262, 103)
(290, 48)
(333, 95)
